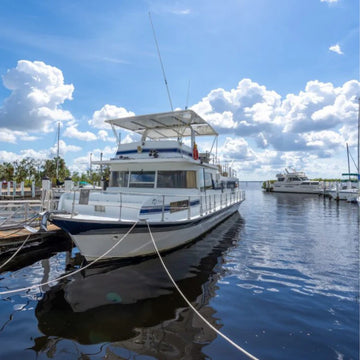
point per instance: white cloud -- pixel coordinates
(73, 132)
(63, 148)
(336, 49)
(12, 137)
(108, 112)
(80, 164)
(181, 11)
(8, 156)
(37, 93)
(323, 139)
(251, 109)
(271, 132)
(8, 136)
(237, 149)
(329, 1)
(104, 136)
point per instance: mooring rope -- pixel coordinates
(20, 247)
(192, 307)
(72, 273)
(14, 254)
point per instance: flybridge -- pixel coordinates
(174, 124)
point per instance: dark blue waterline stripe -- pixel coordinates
(159, 208)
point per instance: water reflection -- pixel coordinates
(135, 306)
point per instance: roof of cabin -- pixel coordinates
(166, 125)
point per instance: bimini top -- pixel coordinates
(166, 125)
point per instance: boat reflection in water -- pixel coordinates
(136, 307)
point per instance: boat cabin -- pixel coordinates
(162, 158)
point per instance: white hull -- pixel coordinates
(350, 195)
(299, 189)
(138, 243)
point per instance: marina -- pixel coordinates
(279, 279)
(219, 222)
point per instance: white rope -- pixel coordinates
(14, 254)
(72, 273)
(193, 308)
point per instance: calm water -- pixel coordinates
(281, 279)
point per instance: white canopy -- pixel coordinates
(166, 125)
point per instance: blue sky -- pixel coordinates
(277, 79)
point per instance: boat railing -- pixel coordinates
(131, 205)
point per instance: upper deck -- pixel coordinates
(168, 125)
(162, 136)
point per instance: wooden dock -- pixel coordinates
(18, 235)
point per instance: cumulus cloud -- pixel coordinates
(73, 132)
(80, 164)
(44, 154)
(283, 124)
(108, 112)
(63, 148)
(244, 110)
(104, 136)
(237, 149)
(12, 137)
(336, 49)
(37, 93)
(9, 156)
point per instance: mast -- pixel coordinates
(58, 152)
(161, 63)
(347, 152)
(358, 149)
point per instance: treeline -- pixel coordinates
(29, 169)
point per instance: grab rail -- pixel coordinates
(107, 202)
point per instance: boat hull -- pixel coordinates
(94, 239)
(349, 195)
(297, 189)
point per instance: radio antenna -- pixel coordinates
(187, 96)
(161, 63)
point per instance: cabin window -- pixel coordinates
(207, 181)
(176, 179)
(232, 184)
(142, 179)
(119, 178)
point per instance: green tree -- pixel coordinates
(22, 169)
(55, 169)
(8, 171)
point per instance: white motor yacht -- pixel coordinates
(296, 182)
(157, 183)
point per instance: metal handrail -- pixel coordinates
(212, 202)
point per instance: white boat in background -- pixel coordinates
(351, 192)
(296, 182)
(348, 192)
(158, 181)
